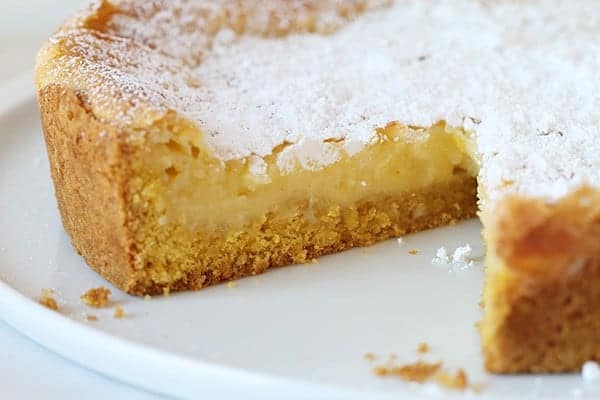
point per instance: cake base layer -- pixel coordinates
(552, 327)
(542, 292)
(182, 260)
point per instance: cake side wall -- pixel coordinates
(87, 169)
(542, 291)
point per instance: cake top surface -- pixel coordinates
(254, 75)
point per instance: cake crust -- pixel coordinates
(542, 294)
(88, 169)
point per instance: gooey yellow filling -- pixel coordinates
(188, 186)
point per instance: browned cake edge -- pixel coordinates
(542, 291)
(88, 171)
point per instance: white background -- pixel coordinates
(26, 369)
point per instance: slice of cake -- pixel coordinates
(193, 142)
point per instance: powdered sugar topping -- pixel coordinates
(461, 259)
(521, 75)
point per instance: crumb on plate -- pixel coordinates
(97, 297)
(457, 381)
(119, 312)
(231, 284)
(413, 252)
(47, 300)
(422, 348)
(91, 317)
(419, 371)
(369, 356)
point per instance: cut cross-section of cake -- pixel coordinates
(194, 142)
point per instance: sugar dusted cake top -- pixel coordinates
(522, 75)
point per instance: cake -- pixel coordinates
(195, 142)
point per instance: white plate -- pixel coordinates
(297, 332)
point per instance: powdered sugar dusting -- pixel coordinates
(461, 259)
(521, 75)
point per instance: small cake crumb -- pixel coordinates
(458, 381)
(413, 252)
(419, 371)
(422, 348)
(147, 297)
(119, 312)
(590, 371)
(231, 284)
(369, 356)
(91, 317)
(166, 291)
(47, 300)
(97, 297)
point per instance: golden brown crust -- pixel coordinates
(542, 294)
(550, 327)
(88, 167)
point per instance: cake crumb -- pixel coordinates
(231, 284)
(147, 297)
(47, 300)
(590, 371)
(166, 291)
(419, 371)
(413, 252)
(369, 356)
(97, 297)
(119, 312)
(91, 317)
(422, 348)
(457, 381)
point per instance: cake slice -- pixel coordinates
(194, 142)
